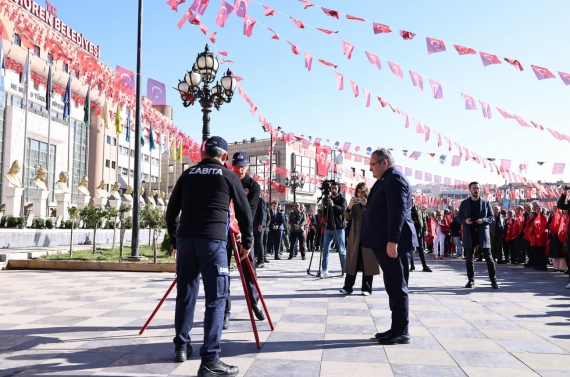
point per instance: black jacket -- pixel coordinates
(338, 208)
(297, 218)
(203, 194)
(253, 192)
(260, 217)
(455, 227)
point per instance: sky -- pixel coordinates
(310, 103)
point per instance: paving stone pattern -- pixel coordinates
(60, 323)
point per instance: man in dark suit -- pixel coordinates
(388, 229)
(259, 225)
(275, 230)
(476, 214)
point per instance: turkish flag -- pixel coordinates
(125, 80)
(3, 32)
(382, 102)
(486, 110)
(415, 155)
(536, 125)
(354, 88)
(204, 29)
(298, 23)
(521, 121)
(317, 141)
(56, 50)
(275, 35)
(26, 36)
(456, 160)
(437, 179)
(515, 63)
(347, 49)
(308, 61)
(564, 76)
(542, 73)
(199, 6)
(438, 138)
(156, 92)
(398, 167)
(374, 59)
(418, 174)
(380, 28)
(506, 165)
(419, 128)
(408, 172)
(436, 89)
(447, 181)
(505, 114)
(489, 59)
(248, 24)
(469, 102)
(339, 80)
(328, 64)
(434, 45)
(88, 63)
(366, 97)
(427, 132)
(558, 168)
(448, 143)
(350, 17)
(326, 31)
(428, 177)
(556, 134)
(240, 7)
(466, 153)
(346, 146)
(330, 12)
(294, 48)
(223, 14)
(459, 149)
(417, 80)
(464, 50)
(407, 35)
(269, 11)
(406, 118)
(307, 3)
(213, 36)
(396, 69)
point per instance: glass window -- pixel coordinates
(145, 177)
(17, 40)
(184, 167)
(171, 168)
(107, 163)
(36, 51)
(49, 58)
(112, 164)
(124, 171)
(132, 173)
(146, 157)
(305, 165)
(114, 141)
(132, 153)
(65, 67)
(108, 139)
(36, 156)
(259, 165)
(155, 161)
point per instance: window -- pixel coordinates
(146, 158)
(155, 161)
(112, 164)
(171, 168)
(124, 150)
(17, 40)
(36, 51)
(36, 156)
(306, 166)
(154, 179)
(145, 177)
(258, 166)
(132, 153)
(99, 86)
(108, 139)
(49, 58)
(124, 171)
(107, 163)
(132, 173)
(114, 141)
(184, 167)
(65, 67)
(363, 172)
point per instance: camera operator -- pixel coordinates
(333, 210)
(240, 166)
(297, 223)
(203, 194)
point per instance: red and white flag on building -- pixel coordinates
(346, 146)
(489, 59)
(506, 166)
(396, 70)
(542, 73)
(248, 24)
(466, 153)
(380, 28)
(456, 160)
(436, 89)
(447, 181)
(406, 119)
(428, 177)
(558, 168)
(469, 102)
(415, 155)
(521, 121)
(240, 7)
(354, 88)
(125, 80)
(448, 143)
(374, 59)
(347, 49)
(308, 61)
(366, 97)
(438, 135)
(459, 149)
(317, 141)
(322, 162)
(486, 110)
(437, 179)
(434, 45)
(464, 50)
(523, 167)
(339, 81)
(223, 14)
(417, 80)
(505, 114)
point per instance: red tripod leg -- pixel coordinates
(260, 294)
(158, 306)
(249, 308)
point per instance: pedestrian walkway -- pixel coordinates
(59, 323)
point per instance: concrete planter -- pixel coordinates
(90, 266)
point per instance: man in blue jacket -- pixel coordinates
(388, 229)
(476, 214)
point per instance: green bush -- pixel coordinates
(15, 222)
(3, 220)
(66, 225)
(38, 224)
(49, 223)
(128, 223)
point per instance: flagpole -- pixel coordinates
(117, 146)
(137, 181)
(167, 163)
(104, 141)
(129, 154)
(88, 115)
(160, 158)
(24, 172)
(48, 107)
(69, 145)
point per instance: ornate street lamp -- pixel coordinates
(204, 71)
(294, 182)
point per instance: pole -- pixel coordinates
(206, 109)
(138, 121)
(69, 144)
(88, 135)
(24, 172)
(48, 167)
(129, 152)
(169, 143)
(117, 154)
(270, 164)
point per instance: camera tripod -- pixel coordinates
(329, 215)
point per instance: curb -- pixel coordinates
(89, 266)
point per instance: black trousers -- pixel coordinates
(470, 266)
(513, 249)
(293, 237)
(274, 241)
(420, 251)
(349, 279)
(506, 251)
(258, 245)
(526, 253)
(497, 248)
(539, 257)
(311, 239)
(249, 284)
(396, 273)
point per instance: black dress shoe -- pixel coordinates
(383, 334)
(258, 311)
(290, 256)
(395, 339)
(265, 261)
(277, 257)
(217, 368)
(426, 269)
(412, 269)
(303, 257)
(181, 354)
(259, 265)
(226, 324)
(470, 284)
(494, 285)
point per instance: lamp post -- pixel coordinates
(270, 158)
(204, 71)
(294, 182)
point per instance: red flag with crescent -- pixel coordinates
(223, 14)
(330, 12)
(396, 70)
(88, 62)
(464, 50)
(125, 80)
(374, 59)
(434, 45)
(248, 24)
(542, 73)
(436, 89)
(156, 92)
(347, 49)
(380, 28)
(489, 59)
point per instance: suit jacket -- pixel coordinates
(485, 214)
(277, 219)
(388, 214)
(259, 218)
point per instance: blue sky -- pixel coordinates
(309, 102)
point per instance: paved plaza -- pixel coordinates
(59, 323)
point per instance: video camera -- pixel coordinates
(326, 189)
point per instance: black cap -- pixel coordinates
(215, 141)
(240, 159)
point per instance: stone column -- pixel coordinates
(40, 201)
(83, 201)
(63, 201)
(13, 203)
(100, 202)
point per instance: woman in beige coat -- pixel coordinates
(358, 258)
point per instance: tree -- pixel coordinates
(92, 216)
(156, 222)
(112, 214)
(73, 215)
(122, 210)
